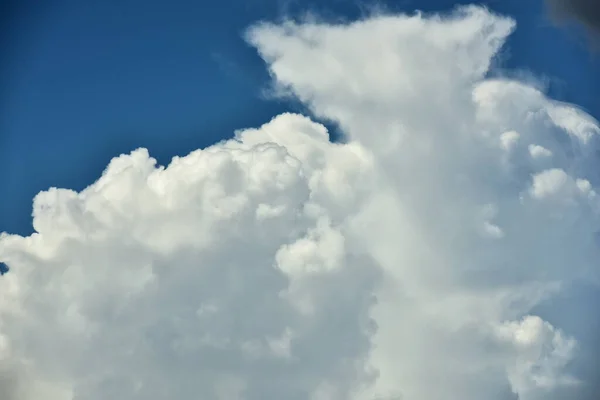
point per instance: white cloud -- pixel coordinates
(407, 262)
(509, 139)
(537, 151)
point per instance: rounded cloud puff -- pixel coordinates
(405, 262)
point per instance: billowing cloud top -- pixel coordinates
(404, 263)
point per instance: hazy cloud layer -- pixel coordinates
(406, 263)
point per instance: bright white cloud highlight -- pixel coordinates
(538, 151)
(405, 263)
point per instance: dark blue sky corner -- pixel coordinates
(584, 13)
(579, 22)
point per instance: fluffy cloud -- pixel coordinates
(406, 262)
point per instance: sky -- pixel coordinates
(301, 200)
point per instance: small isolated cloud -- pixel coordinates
(404, 263)
(538, 152)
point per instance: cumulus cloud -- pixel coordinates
(404, 263)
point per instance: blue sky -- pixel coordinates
(89, 80)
